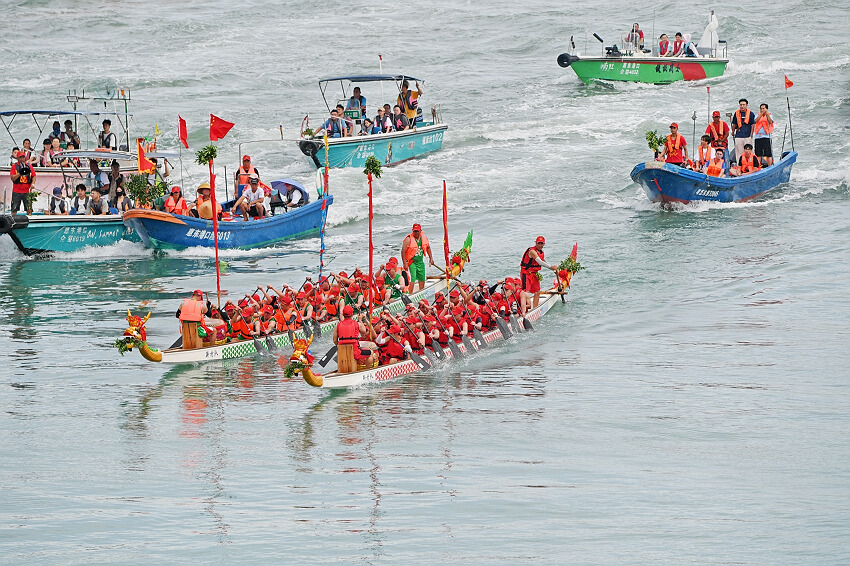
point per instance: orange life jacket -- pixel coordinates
(331, 305)
(715, 135)
(738, 117)
(676, 146)
(413, 247)
(715, 167)
(243, 175)
(190, 311)
(178, 206)
(348, 332)
(240, 330)
(704, 156)
(529, 265)
(763, 124)
(751, 164)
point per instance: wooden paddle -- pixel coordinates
(438, 351)
(419, 360)
(452, 344)
(327, 357)
(467, 343)
(500, 322)
(479, 338)
(404, 322)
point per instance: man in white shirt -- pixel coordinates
(107, 139)
(96, 179)
(251, 201)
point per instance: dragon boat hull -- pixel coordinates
(400, 369)
(671, 184)
(390, 148)
(162, 230)
(40, 234)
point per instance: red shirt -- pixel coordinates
(711, 129)
(21, 187)
(674, 154)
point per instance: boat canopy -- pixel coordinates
(99, 155)
(370, 78)
(162, 154)
(56, 113)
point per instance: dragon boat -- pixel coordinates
(301, 361)
(217, 348)
(670, 183)
(632, 63)
(390, 148)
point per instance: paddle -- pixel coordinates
(409, 329)
(467, 343)
(479, 338)
(452, 344)
(327, 357)
(419, 360)
(514, 323)
(438, 351)
(525, 322)
(500, 322)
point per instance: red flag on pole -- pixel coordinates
(215, 234)
(788, 83)
(371, 250)
(219, 128)
(145, 164)
(181, 131)
(446, 231)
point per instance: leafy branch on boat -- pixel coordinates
(570, 265)
(126, 344)
(142, 192)
(292, 368)
(205, 155)
(373, 166)
(654, 141)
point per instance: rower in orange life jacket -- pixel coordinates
(244, 173)
(714, 167)
(704, 151)
(176, 204)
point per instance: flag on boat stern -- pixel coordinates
(219, 127)
(145, 164)
(788, 82)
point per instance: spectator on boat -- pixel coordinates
(121, 203)
(635, 36)
(382, 121)
(704, 152)
(399, 120)
(762, 130)
(716, 166)
(747, 163)
(664, 47)
(191, 315)
(81, 204)
(203, 204)
(675, 147)
(116, 180)
(742, 126)
(409, 100)
(690, 49)
(251, 201)
(31, 157)
(22, 179)
(44, 155)
(334, 126)
(246, 171)
(56, 132)
(357, 101)
(176, 204)
(69, 135)
(107, 139)
(13, 158)
(718, 131)
(678, 45)
(98, 205)
(96, 178)
(158, 173)
(57, 205)
(56, 159)
(349, 123)
(368, 128)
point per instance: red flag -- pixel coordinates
(788, 83)
(219, 128)
(145, 164)
(446, 231)
(181, 131)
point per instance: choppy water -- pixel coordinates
(689, 403)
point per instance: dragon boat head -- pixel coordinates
(136, 328)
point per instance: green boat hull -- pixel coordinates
(45, 235)
(654, 70)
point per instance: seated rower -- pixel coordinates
(390, 346)
(176, 204)
(716, 166)
(747, 163)
(251, 201)
(98, 205)
(58, 206)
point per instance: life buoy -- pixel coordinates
(6, 223)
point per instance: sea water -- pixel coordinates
(687, 404)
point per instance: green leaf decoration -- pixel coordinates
(292, 368)
(570, 265)
(126, 344)
(373, 166)
(142, 192)
(205, 155)
(653, 140)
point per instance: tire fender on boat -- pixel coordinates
(6, 223)
(20, 221)
(565, 59)
(310, 148)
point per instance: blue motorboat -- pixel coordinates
(163, 230)
(668, 183)
(390, 148)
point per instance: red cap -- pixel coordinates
(454, 293)
(417, 226)
(175, 189)
(198, 292)
(256, 297)
(229, 307)
(674, 125)
(394, 329)
(287, 299)
(353, 288)
(246, 158)
(715, 113)
(334, 291)
(540, 240)
(424, 302)
(392, 262)
(20, 154)
(268, 309)
(343, 274)
(347, 310)
(301, 295)
(497, 296)
(308, 287)
(248, 312)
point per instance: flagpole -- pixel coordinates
(371, 248)
(215, 236)
(790, 126)
(381, 66)
(446, 232)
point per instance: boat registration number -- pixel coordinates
(707, 193)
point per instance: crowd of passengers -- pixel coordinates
(60, 141)
(404, 115)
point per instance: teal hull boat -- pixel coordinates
(41, 234)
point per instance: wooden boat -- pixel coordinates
(163, 230)
(403, 368)
(634, 64)
(669, 183)
(390, 148)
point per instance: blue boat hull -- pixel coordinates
(161, 230)
(669, 183)
(50, 234)
(389, 148)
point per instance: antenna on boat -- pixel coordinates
(654, 45)
(381, 67)
(694, 135)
